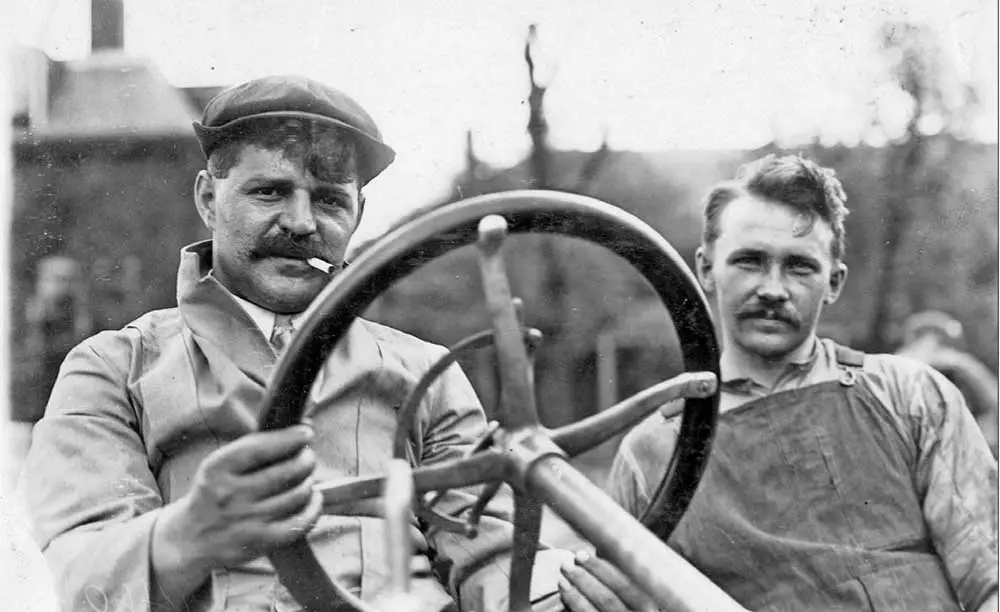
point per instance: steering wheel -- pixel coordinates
(517, 449)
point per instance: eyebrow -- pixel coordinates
(747, 251)
(761, 252)
(332, 187)
(321, 186)
(803, 258)
(255, 180)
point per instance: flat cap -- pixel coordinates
(295, 97)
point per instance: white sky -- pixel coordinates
(651, 74)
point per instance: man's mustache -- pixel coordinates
(284, 246)
(773, 313)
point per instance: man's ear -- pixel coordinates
(204, 198)
(361, 207)
(838, 276)
(703, 267)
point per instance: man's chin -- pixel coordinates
(771, 346)
(289, 297)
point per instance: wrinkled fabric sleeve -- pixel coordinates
(641, 461)
(626, 483)
(90, 492)
(479, 567)
(956, 477)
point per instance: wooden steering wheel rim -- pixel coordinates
(429, 236)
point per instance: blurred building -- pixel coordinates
(104, 163)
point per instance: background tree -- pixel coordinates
(936, 105)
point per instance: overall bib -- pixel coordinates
(808, 503)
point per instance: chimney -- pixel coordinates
(107, 25)
(31, 70)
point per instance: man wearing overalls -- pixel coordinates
(838, 480)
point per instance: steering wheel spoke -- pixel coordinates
(475, 514)
(397, 502)
(482, 467)
(517, 397)
(527, 530)
(586, 434)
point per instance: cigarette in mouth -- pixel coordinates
(320, 265)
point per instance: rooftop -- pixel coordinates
(107, 95)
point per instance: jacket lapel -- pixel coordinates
(218, 323)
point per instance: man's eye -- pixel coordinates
(802, 269)
(747, 263)
(267, 192)
(330, 201)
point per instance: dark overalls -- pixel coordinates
(809, 503)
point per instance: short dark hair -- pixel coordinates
(326, 151)
(791, 180)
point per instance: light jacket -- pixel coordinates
(135, 411)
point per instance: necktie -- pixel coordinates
(281, 335)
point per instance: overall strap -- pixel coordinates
(850, 361)
(849, 357)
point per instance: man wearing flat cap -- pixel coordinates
(147, 481)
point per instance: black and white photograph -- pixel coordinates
(499, 306)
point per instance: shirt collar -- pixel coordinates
(263, 318)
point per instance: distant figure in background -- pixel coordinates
(938, 340)
(116, 293)
(56, 319)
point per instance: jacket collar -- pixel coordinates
(215, 317)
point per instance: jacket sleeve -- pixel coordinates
(956, 477)
(90, 492)
(626, 483)
(478, 567)
(641, 461)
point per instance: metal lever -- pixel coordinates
(588, 433)
(397, 507)
(517, 398)
(398, 504)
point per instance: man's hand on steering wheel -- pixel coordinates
(590, 584)
(246, 498)
(252, 495)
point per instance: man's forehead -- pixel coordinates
(749, 219)
(257, 162)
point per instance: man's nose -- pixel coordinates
(298, 218)
(772, 286)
